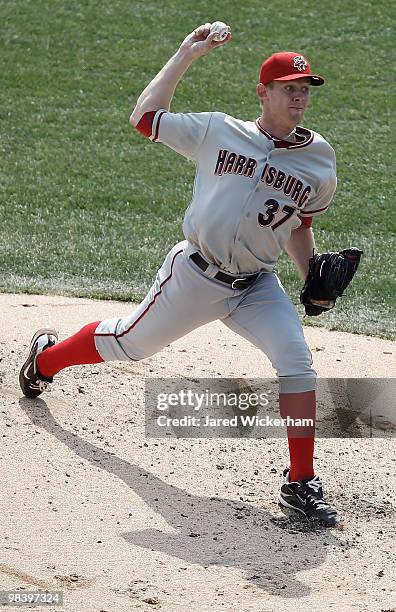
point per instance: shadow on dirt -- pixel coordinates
(268, 550)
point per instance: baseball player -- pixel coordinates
(258, 186)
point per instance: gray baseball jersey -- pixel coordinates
(251, 190)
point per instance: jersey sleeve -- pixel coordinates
(320, 201)
(318, 204)
(182, 132)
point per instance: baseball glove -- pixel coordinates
(328, 276)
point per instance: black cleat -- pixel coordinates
(306, 496)
(31, 381)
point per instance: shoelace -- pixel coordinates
(43, 385)
(315, 485)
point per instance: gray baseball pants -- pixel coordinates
(183, 297)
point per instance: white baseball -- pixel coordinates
(222, 30)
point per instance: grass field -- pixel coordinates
(89, 207)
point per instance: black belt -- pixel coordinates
(234, 281)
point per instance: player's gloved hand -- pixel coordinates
(201, 41)
(328, 276)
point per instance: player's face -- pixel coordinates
(289, 99)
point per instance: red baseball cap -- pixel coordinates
(287, 66)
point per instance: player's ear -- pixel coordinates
(262, 92)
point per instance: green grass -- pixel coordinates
(89, 207)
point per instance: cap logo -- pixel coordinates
(300, 62)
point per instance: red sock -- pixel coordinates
(301, 439)
(76, 350)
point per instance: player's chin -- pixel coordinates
(296, 113)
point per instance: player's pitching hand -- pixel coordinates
(202, 40)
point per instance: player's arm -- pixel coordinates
(159, 92)
(300, 248)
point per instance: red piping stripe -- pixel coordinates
(157, 128)
(279, 143)
(148, 307)
(311, 212)
(302, 144)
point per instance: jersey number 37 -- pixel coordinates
(272, 207)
